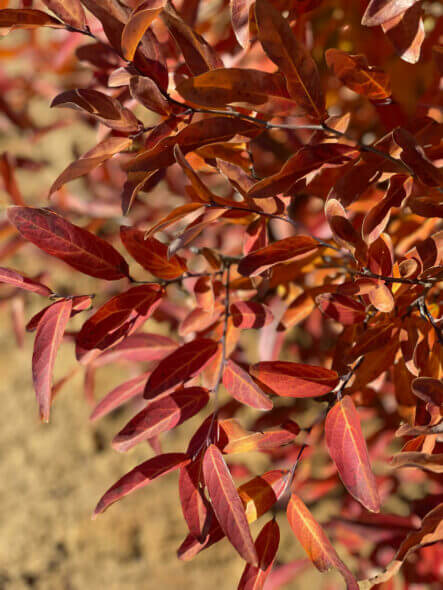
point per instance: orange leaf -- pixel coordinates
(151, 254)
(139, 21)
(242, 388)
(315, 542)
(298, 67)
(294, 379)
(218, 88)
(354, 72)
(281, 251)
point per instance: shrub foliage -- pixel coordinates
(265, 186)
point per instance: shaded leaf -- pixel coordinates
(425, 461)
(27, 18)
(249, 314)
(71, 12)
(407, 33)
(199, 55)
(307, 159)
(240, 13)
(380, 11)
(193, 136)
(354, 72)
(341, 308)
(220, 87)
(298, 67)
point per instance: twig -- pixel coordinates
(344, 379)
(371, 275)
(426, 314)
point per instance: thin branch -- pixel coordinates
(344, 379)
(271, 216)
(223, 357)
(368, 273)
(235, 114)
(186, 275)
(426, 314)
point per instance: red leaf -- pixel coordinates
(407, 33)
(298, 67)
(249, 314)
(161, 415)
(304, 161)
(199, 55)
(280, 251)
(151, 254)
(72, 244)
(240, 12)
(217, 88)
(118, 316)
(347, 448)
(258, 495)
(48, 338)
(266, 545)
(227, 504)
(341, 308)
(194, 504)
(314, 541)
(380, 11)
(27, 18)
(14, 278)
(106, 109)
(294, 379)
(140, 476)
(242, 388)
(185, 362)
(119, 395)
(210, 130)
(413, 155)
(71, 12)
